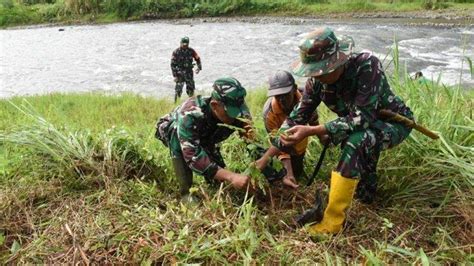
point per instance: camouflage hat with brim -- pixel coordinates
(230, 92)
(321, 52)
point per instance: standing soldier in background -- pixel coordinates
(182, 68)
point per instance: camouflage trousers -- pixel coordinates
(361, 150)
(184, 77)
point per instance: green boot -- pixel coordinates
(183, 174)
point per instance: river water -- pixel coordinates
(135, 57)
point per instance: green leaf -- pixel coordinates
(424, 259)
(2, 238)
(252, 147)
(15, 247)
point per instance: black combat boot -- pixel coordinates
(367, 188)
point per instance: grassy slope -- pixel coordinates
(95, 207)
(64, 12)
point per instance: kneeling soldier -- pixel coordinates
(354, 86)
(191, 132)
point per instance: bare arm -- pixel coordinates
(236, 180)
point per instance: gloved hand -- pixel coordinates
(175, 79)
(197, 71)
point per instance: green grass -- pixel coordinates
(14, 12)
(83, 179)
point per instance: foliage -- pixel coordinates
(34, 11)
(434, 4)
(11, 14)
(6, 4)
(78, 154)
(72, 189)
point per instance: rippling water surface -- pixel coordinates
(135, 57)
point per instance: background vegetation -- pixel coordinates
(82, 179)
(17, 12)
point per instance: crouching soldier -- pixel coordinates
(191, 132)
(283, 97)
(354, 86)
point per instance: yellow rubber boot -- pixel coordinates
(340, 198)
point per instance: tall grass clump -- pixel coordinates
(447, 110)
(434, 4)
(78, 154)
(80, 7)
(13, 14)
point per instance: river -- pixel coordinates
(135, 57)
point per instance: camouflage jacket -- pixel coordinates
(192, 132)
(356, 98)
(182, 60)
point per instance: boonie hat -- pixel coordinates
(321, 52)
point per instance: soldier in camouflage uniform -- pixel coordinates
(182, 68)
(354, 86)
(192, 130)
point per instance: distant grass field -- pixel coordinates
(82, 179)
(25, 12)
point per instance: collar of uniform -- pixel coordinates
(276, 108)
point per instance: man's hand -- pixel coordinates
(298, 133)
(175, 79)
(249, 132)
(295, 135)
(290, 181)
(239, 181)
(197, 71)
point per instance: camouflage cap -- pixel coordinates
(230, 92)
(321, 52)
(185, 40)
